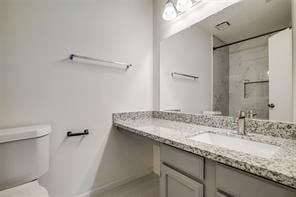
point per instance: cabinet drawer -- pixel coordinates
(241, 184)
(175, 184)
(183, 161)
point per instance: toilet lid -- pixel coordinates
(32, 189)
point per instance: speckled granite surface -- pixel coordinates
(272, 128)
(175, 129)
(264, 127)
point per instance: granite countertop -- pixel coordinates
(281, 168)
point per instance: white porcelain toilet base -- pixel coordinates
(32, 189)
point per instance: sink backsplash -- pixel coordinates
(264, 127)
(224, 122)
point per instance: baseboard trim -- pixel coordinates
(99, 190)
(156, 171)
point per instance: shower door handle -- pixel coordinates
(271, 105)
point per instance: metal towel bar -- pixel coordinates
(73, 56)
(184, 75)
(252, 82)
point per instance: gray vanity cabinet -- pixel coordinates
(187, 175)
(181, 173)
(176, 184)
(237, 183)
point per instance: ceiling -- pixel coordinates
(249, 18)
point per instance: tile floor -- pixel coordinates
(147, 186)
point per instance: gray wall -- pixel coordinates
(39, 86)
(249, 61)
(220, 78)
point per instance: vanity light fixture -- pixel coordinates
(169, 12)
(174, 8)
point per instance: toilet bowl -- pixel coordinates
(26, 153)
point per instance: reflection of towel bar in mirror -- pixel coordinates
(246, 82)
(174, 74)
(251, 82)
(73, 57)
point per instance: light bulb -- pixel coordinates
(183, 5)
(169, 12)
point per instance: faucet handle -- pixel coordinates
(251, 114)
(241, 114)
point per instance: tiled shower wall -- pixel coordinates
(221, 78)
(248, 61)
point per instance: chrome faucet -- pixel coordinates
(251, 114)
(241, 123)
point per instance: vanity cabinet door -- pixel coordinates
(175, 184)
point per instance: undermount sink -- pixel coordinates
(237, 144)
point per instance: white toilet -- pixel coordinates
(24, 158)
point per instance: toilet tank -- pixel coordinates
(24, 154)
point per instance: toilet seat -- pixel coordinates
(32, 189)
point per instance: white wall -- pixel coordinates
(40, 87)
(156, 48)
(294, 55)
(188, 52)
(1, 60)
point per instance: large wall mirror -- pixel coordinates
(237, 59)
